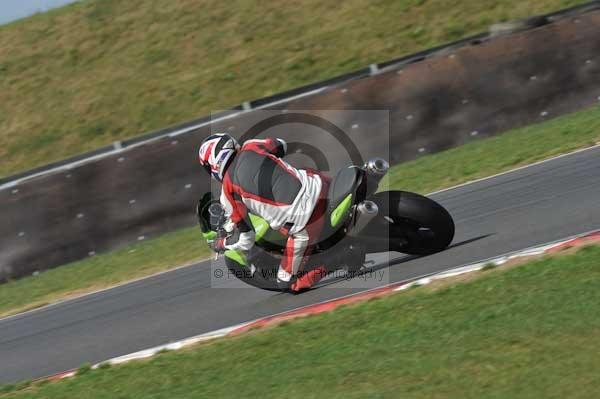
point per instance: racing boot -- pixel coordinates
(308, 279)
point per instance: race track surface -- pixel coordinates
(534, 205)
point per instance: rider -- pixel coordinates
(256, 180)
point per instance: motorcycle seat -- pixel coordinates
(345, 182)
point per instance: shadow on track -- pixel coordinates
(396, 261)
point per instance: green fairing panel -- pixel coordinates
(209, 235)
(264, 232)
(341, 211)
(261, 227)
(236, 256)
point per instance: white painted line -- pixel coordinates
(191, 264)
(135, 280)
(516, 169)
(80, 162)
(417, 281)
(238, 113)
(210, 122)
(497, 261)
(66, 375)
(143, 354)
(118, 149)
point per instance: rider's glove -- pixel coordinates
(217, 245)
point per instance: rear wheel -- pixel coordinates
(414, 224)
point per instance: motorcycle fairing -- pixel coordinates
(340, 213)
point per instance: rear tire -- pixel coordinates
(421, 225)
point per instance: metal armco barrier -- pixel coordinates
(438, 101)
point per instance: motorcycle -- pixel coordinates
(359, 220)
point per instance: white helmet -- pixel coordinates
(215, 153)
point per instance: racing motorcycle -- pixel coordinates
(359, 220)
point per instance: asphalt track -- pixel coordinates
(526, 207)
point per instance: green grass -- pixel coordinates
(527, 332)
(100, 271)
(497, 154)
(88, 74)
(476, 159)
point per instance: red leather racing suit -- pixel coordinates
(291, 200)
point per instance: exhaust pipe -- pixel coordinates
(376, 168)
(365, 213)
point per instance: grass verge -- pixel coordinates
(497, 154)
(98, 71)
(101, 271)
(471, 161)
(524, 332)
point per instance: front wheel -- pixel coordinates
(259, 269)
(416, 225)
